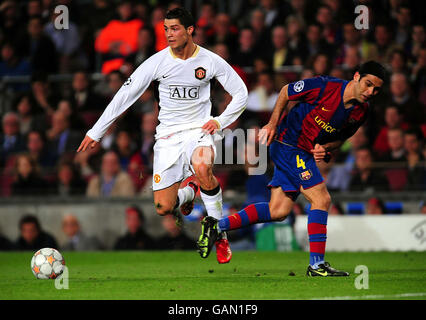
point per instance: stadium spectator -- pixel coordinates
(353, 39)
(69, 181)
(418, 75)
(11, 64)
(375, 206)
(135, 238)
(39, 151)
(62, 139)
(223, 32)
(119, 38)
(365, 177)
(280, 54)
(140, 166)
(145, 47)
(275, 12)
(336, 209)
(411, 110)
(10, 20)
(393, 120)
(263, 96)
(39, 48)
(124, 148)
(222, 50)
(200, 37)
(384, 42)
(416, 179)
(395, 161)
(76, 121)
(398, 62)
(352, 60)
(76, 239)
(315, 41)
(418, 40)
(97, 15)
(111, 181)
(403, 28)
(28, 181)
(11, 141)
(115, 80)
(245, 54)
(67, 42)
(296, 37)
(83, 96)
(29, 117)
(45, 97)
(262, 34)
(175, 238)
(32, 237)
(339, 175)
(206, 16)
(396, 151)
(320, 64)
(324, 17)
(157, 23)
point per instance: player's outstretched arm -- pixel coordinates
(267, 134)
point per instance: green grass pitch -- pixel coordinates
(184, 275)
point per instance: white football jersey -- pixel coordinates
(184, 90)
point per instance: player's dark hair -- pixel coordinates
(183, 15)
(28, 218)
(374, 68)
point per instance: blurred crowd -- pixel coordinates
(32, 236)
(268, 42)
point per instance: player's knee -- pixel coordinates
(278, 213)
(204, 173)
(163, 209)
(322, 202)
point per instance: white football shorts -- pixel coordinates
(172, 156)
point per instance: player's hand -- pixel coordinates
(87, 142)
(319, 152)
(210, 127)
(267, 134)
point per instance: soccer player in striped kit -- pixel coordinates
(329, 111)
(185, 137)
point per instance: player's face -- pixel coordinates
(177, 35)
(366, 87)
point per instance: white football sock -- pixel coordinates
(185, 195)
(213, 204)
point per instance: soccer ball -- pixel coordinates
(47, 263)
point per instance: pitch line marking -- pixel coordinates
(377, 296)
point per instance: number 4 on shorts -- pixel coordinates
(300, 163)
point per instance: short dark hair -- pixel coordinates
(28, 218)
(374, 68)
(415, 131)
(184, 16)
(138, 211)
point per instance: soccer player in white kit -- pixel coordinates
(187, 131)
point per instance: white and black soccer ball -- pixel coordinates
(47, 263)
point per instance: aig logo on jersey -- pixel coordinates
(200, 73)
(184, 92)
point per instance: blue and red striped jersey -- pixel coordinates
(320, 115)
